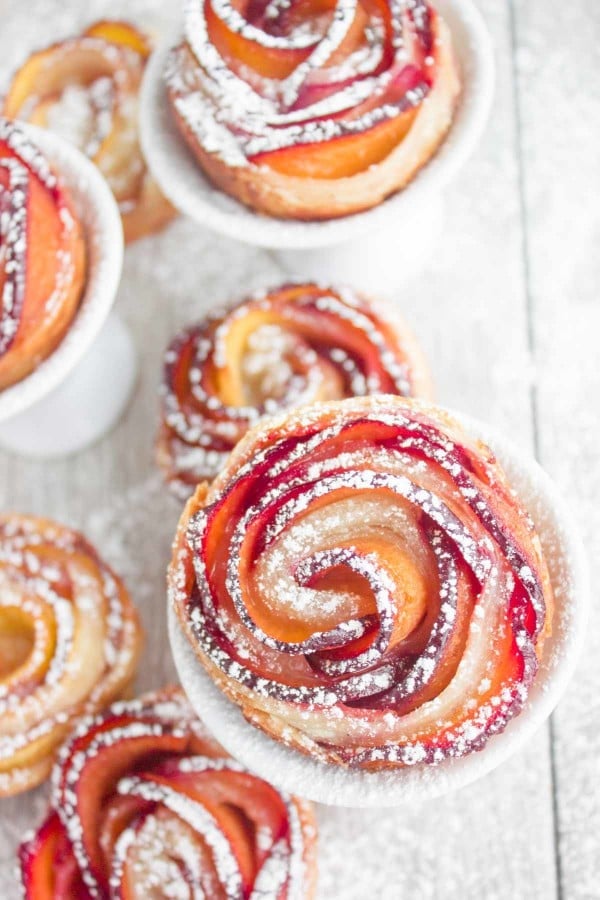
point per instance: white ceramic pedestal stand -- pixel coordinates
(296, 773)
(78, 393)
(375, 250)
(84, 406)
(377, 262)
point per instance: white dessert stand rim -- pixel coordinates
(182, 180)
(104, 239)
(294, 772)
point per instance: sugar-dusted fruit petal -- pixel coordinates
(42, 258)
(123, 33)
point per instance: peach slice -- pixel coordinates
(52, 275)
(350, 153)
(101, 773)
(123, 33)
(270, 62)
(49, 871)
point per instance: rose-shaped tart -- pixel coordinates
(308, 109)
(86, 90)
(69, 642)
(146, 804)
(42, 256)
(275, 350)
(363, 582)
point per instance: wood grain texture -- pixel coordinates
(508, 313)
(557, 50)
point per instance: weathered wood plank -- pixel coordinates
(559, 57)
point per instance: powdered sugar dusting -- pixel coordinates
(95, 208)
(171, 830)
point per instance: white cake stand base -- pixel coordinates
(377, 262)
(84, 407)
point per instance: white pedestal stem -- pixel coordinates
(84, 407)
(377, 262)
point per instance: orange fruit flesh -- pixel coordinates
(103, 771)
(340, 157)
(39, 866)
(121, 33)
(18, 638)
(231, 823)
(409, 587)
(43, 245)
(270, 62)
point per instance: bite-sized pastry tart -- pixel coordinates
(364, 583)
(145, 804)
(312, 109)
(86, 89)
(69, 642)
(42, 256)
(275, 350)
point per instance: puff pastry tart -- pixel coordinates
(42, 256)
(312, 109)
(363, 582)
(69, 642)
(146, 804)
(86, 89)
(293, 345)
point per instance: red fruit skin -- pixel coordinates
(48, 867)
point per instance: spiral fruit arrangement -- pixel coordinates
(312, 109)
(69, 642)
(86, 89)
(276, 350)
(144, 801)
(364, 583)
(42, 256)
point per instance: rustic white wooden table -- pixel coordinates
(509, 312)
